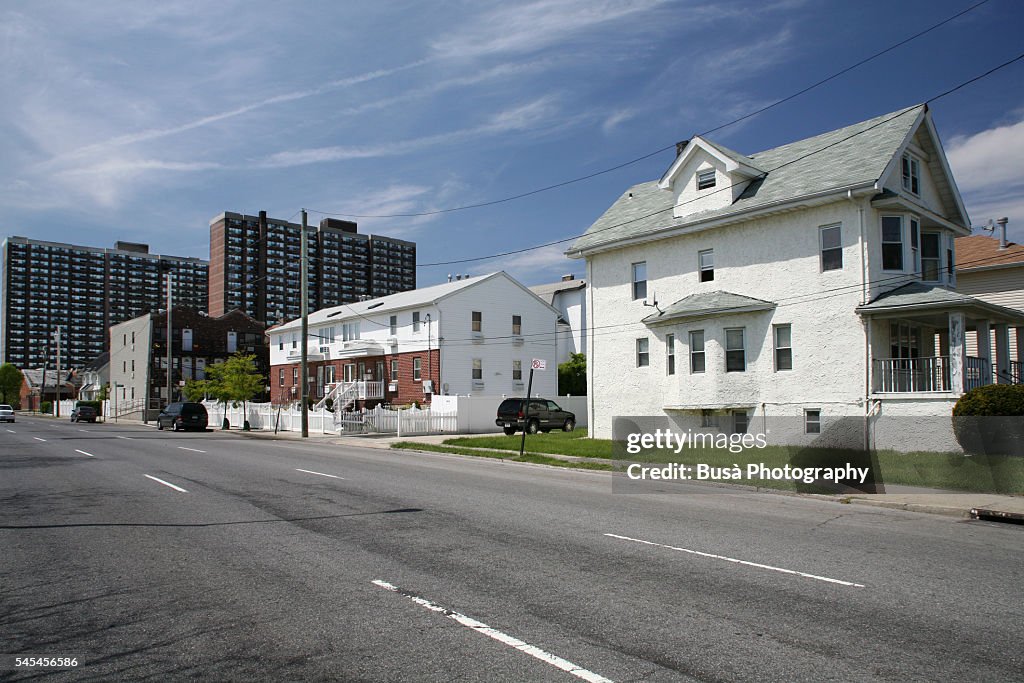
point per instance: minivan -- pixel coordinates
(183, 416)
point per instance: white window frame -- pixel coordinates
(822, 249)
(910, 172)
(639, 284)
(812, 421)
(643, 352)
(742, 349)
(778, 347)
(694, 353)
(393, 325)
(517, 371)
(914, 228)
(706, 179)
(517, 324)
(670, 354)
(478, 370)
(417, 368)
(477, 321)
(902, 243)
(703, 267)
(415, 321)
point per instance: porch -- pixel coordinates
(918, 340)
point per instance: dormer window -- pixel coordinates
(705, 179)
(911, 174)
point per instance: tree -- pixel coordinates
(235, 379)
(196, 389)
(10, 385)
(572, 376)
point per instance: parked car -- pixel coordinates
(183, 416)
(543, 416)
(6, 413)
(83, 414)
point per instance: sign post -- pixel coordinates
(536, 364)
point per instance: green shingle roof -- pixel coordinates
(848, 157)
(709, 303)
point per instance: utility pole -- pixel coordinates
(58, 371)
(42, 386)
(166, 267)
(304, 287)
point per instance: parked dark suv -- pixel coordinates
(83, 414)
(183, 416)
(543, 416)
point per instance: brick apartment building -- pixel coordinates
(84, 290)
(138, 354)
(255, 260)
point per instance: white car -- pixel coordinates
(6, 413)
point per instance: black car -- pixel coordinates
(83, 414)
(183, 416)
(543, 416)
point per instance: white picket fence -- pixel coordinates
(265, 416)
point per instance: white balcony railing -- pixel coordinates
(898, 375)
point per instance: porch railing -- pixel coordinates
(1015, 372)
(897, 375)
(978, 373)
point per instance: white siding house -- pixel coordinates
(475, 336)
(569, 297)
(814, 280)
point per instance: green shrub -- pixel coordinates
(98, 405)
(991, 400)
(46, 408)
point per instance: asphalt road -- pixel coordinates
(208, 556)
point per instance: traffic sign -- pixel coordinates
(539, 364)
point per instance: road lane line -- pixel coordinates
(167, 483)
(320, 473)
(194, 450)
(743, 562)
(123, 437)
(12, 431)
(83, 430)
(511, 641)
(38, 439)
(84, 453)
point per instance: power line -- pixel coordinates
(728, 187)
(638, 159)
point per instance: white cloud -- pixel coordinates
(538, 266)
(987, 169)
(617, 117)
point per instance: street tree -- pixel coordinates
(10, 385)
(572, 376)
(233, 380)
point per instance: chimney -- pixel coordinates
(1002, 231)
(449, 277)
(457, 277)
(680, 146)
(568, 278)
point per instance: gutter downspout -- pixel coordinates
(590, 348)
(862, 247)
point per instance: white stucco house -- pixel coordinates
(569, 297)
(814, 280)
(474, 336)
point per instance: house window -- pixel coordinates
(670, 354)
(740, 422)
(708, 419)
(911, 174)
(295, 340)
(735, 353)
(783, 347)
(478, 369)
(517, 324)
(350, 372)
(478, 321)
(394, 369)
(350, 331)
(280, 342)
(643, 356)
(705, 179)
(915, 252)
(416, 369)
(280, 377)
(416, 321)
(393, 325)
(831, 247)
(295, 376)
(812, 422)
(517, 371)
(640, 280)
(697, 351)
(930, 258)
(706, 263)
(892, 243)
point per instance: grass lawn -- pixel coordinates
(991, 474)
(527, 457)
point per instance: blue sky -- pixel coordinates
(143, 120)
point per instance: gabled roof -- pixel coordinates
(707, 304)
(853, 157)
(980, 252)
(734, 161)
(548, 292)
(395, 302)
(34, 377)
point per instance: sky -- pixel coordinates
(142, 121)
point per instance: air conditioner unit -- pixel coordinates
(392, 341)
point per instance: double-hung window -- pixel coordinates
(416, 368)
(393, 325)
(706, 263)
(735, 351)
(394, 369)
(478, 321)
(416, 321)
(643, 356)
(670, 354)
(517, 324)
(478, 369)
(831, 247)
(812, 422)
(930, 256)
(911, 174)
(640, 280)
(517, 371)
(892, 243)
(915, 244)
(783, 347)
(697, 351)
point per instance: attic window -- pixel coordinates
(911, 174)
(705, 179)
